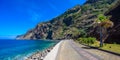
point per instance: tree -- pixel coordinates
(104, 23)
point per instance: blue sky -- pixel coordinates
(18, 16)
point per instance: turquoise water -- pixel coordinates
(20, 49)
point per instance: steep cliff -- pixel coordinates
(114, 33)
(72, 23)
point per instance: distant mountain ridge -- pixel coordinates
(72, 23)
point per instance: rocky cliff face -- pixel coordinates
(114, 33)
(72, 23)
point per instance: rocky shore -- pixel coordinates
(40, 54)
(46, 54)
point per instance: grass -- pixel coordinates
(106, 46)
(109, 47)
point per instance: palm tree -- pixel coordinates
(104, 23)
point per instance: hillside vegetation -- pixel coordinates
(72, 24)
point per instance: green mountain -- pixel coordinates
(73, 23)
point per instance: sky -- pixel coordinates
(19, 16)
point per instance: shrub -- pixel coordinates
(82, 33)
(89, 40)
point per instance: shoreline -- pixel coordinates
(39, 54)
(44, 55)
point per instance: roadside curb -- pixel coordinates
(53, 53)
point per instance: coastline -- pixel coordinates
(45, 54)
(39, 54)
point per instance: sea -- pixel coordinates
(11, 49)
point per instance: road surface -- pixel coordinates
(69, 50)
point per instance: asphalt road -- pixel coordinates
(69, 50)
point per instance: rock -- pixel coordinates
(69, 24)
(39, 55)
